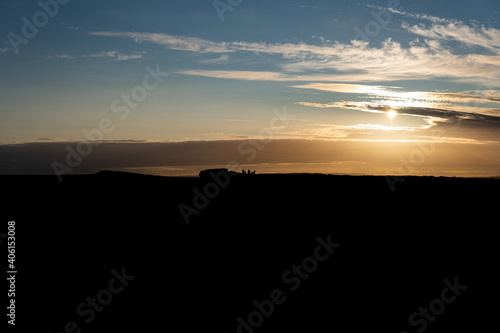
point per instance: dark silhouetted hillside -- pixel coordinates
(396, 249)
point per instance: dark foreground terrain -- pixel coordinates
(113, 252)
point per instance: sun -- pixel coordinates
(392, 113)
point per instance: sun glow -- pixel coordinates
(392, 113)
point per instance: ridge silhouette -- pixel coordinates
(396, 250)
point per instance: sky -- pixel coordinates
(357, 87)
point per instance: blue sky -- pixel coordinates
(418, 71)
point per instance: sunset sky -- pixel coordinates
(358, 87)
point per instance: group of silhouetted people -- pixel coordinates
(247, 172)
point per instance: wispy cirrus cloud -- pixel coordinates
(222, 59)
(417, 16)
(240, 75)
(104, 54)
(193, 44)
(113, 55)
(396, 93)
(60, 56)
(488, 38)
(450, 30)
(392, 61)
(348, 62)
(358, 62)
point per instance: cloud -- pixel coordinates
(488, 38)
(104, 54)
(48, 139)
(304, 6)
(70, 27)
(240, 75)
(451, 30)
(410, 97)
(195, 44)
(365, 132)
(373, 157)
(60, 56)
(459, 113)
(117, 56)
(222, 59)
(256, 75)
(346, 88)
(391, 61)
(122, 57)
(426, 17)
(192, 44)
(438, 121)
(114, 55)
(355, 61)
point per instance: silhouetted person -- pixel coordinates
(253, 172)
(248, 173)
(243, 172)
